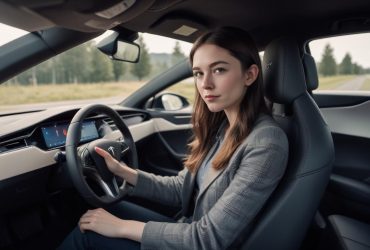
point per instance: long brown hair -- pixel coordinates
(206, 123)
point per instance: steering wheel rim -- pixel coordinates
(84, 162)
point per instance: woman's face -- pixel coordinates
(219, 79)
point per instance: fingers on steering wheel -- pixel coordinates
(102, 152)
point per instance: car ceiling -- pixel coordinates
(264, 19)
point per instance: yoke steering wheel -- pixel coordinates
(83, 163)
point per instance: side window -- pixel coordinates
(185, 88)
(343, 62)
(179, 96)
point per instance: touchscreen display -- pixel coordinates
(55, 135)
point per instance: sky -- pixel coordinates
(357, 45)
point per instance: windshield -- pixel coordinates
(9, 33)
(84, 75)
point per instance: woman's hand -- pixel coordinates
(118, 168)
(113, 165)
(104, 223)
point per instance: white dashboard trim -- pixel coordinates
(24, 160)
(162, 125)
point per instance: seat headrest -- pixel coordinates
(310, 70)
(283, 72)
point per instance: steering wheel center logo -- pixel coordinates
(111, 151)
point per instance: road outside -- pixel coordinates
(354, 84)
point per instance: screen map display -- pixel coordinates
(55, 135)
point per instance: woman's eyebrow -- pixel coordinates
(217, 62)
(212, 64)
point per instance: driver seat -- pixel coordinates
(284, 220)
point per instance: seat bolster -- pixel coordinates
(352, 234)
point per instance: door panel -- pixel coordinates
(348, 117)
(163, 153)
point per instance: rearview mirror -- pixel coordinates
(119, 49)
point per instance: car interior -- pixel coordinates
(323, 200)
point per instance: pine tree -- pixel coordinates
(177, 54)
(358, 69)
(346, 66)
(143, 67)
(328, 66)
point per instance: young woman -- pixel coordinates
(237, 157)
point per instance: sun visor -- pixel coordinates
(182, 28)
(85, 16)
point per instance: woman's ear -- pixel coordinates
(251, 74)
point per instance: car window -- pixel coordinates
(83, 74)
(185, 88)
(343, 62)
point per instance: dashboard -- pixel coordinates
(47, 130)
(29, 143)
(54, 135)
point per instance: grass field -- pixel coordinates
(12, 95)
(331, 82)
(366, 85)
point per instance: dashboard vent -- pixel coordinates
(11, 145)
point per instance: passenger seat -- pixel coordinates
(343, 233)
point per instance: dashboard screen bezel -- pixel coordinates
(62, 128)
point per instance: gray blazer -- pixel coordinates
(229, 199)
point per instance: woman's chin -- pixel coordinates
(213, 108)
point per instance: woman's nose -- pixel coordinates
(207, 82)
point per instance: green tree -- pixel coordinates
(328, 66)
(101, 67)
(119, 69)
(177, 54)
(346, 66)
(73, 65)
(358, 70)
(143, 67)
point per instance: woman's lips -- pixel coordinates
(211, 97)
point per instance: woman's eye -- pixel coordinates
(219, 70)
(197, 74)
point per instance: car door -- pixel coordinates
(167, 99)
(343, 97)
(164, 152)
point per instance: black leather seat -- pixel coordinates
(342, 232)
(347, 234)
(283, 222)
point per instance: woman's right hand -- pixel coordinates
(118, 168)
(113, 165)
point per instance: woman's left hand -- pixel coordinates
(102, 222)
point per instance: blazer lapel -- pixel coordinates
(211, 175)
(187, 193)
(190, 179)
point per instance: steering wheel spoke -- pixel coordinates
(125, 149)
(110, 189)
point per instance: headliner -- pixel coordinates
(264, 19)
